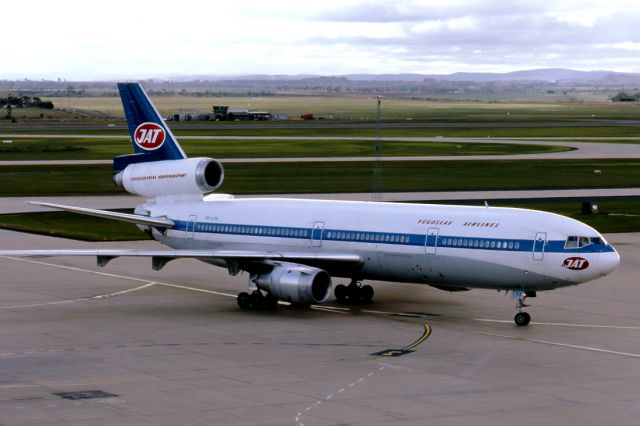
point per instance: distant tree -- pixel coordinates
(25, 102)
(625, 97)
(45, 105)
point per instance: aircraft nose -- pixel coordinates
(609, 262)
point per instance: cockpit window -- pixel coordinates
(581, 241)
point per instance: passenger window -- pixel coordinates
(510, 245)
(493, 244)
(516, 245)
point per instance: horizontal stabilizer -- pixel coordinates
(106, 214)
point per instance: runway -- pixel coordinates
(172, 347)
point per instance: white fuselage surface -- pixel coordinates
(451, 247)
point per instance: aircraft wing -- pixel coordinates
(162, 257)
(106, 214)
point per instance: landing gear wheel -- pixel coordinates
(353, 293)
(522, 319)
(366, 293)
(257, 300)
(244, 300)
(341, 293)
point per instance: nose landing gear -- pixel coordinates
(522, 319)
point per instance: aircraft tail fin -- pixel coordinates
(151, 137)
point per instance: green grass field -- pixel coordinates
(70, 225)
(314, 177)
(100, 148)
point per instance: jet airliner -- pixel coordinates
(291, 249)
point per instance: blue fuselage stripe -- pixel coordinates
(403, 239)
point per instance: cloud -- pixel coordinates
(150, 38)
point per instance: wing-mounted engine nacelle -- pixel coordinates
(171, 177)
(295, 283)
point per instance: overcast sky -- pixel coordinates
(142, 38)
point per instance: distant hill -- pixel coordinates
(541, 75)
(546, 74)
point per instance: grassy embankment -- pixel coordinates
(318, 177)
(100, 148)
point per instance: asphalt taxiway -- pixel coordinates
(172, 347)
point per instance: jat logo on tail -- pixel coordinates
(149, 136)
(576, 263)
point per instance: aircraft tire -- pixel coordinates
(340, 292)
(522, 319)
(244, 300)
(366, 293)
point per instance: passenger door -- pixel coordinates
(191, 227)
(538, 245)
(431, 240)
(316, 234)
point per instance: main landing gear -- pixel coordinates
(522, 318)
(257, 300)
(353, 293)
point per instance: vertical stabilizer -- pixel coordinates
(151, 137)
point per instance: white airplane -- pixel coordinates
(292, 248)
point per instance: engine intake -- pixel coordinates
(295, 283)
(172, 177)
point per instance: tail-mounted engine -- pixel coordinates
(189, 176)
(295, 283)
